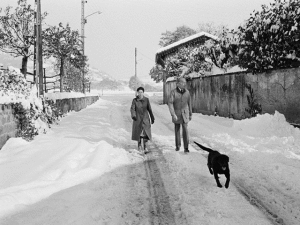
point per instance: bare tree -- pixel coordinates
(170, 37)
(212, 28)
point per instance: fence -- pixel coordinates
(45, 82)
(56, 83)
(227, 93)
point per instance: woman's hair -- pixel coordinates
(140, 88)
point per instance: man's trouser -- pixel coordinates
(185, 135)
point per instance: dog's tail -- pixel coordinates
(203, 147)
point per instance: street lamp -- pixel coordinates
(84, 21)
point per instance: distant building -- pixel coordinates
(193, 40)
(167, 51)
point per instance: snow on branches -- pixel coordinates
(188, 60)
(223, 53)
(34, 115)
(271, 38)
(13, 86)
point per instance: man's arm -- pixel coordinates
(171, 106)
(190, 106)
(150, 111)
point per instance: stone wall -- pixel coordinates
(227, 93)
(8, 125)
(76, 104)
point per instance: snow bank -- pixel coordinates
(62, 95)
(263, 133)
(267, 125)
(57, 172)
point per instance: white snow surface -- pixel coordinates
(12, 97)
(62, 95)
(264, 158)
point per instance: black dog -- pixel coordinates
(217, 164)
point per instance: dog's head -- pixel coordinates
(223, 161)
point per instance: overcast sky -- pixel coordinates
(123, 25)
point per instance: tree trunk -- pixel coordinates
(61, 74)
(24, 66)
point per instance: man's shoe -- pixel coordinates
(146, 150)
(186, 150)
(177, 149)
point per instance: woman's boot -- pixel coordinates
(139, 145)
(146, 146)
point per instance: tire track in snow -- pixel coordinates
(160, 207)
(161, 211)
(244, 191)
(253, 199)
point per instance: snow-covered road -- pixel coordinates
(86, 170)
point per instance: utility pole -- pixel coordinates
(135, 72)
(34, 53)
(83, 22)
(39, 56)
(82, 39)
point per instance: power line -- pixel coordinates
(146, 56)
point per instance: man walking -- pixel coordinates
(181, 111)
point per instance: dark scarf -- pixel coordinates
(140, 99)
(180, 91)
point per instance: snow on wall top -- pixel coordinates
(187, 39)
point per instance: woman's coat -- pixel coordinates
(140, 111)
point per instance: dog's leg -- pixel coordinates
(217, 180)
(227, 175)
(140, 144)
(210, 170)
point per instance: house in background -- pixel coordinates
(163, 53)
(193, 40)
(236, 93)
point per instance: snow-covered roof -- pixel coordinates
(185, 40)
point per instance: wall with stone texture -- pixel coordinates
(76, 104)
(274, 89)
(8, 124)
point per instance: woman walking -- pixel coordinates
(141, 127)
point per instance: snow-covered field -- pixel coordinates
(86, 170)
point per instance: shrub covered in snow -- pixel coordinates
(254, 107)
(13, 86)
(271, 38)
(34, 114)
(188, 60)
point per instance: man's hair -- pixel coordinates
(180, 78)
(140, 88)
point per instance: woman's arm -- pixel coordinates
(132, 110)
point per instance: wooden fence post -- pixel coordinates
(45, 80)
